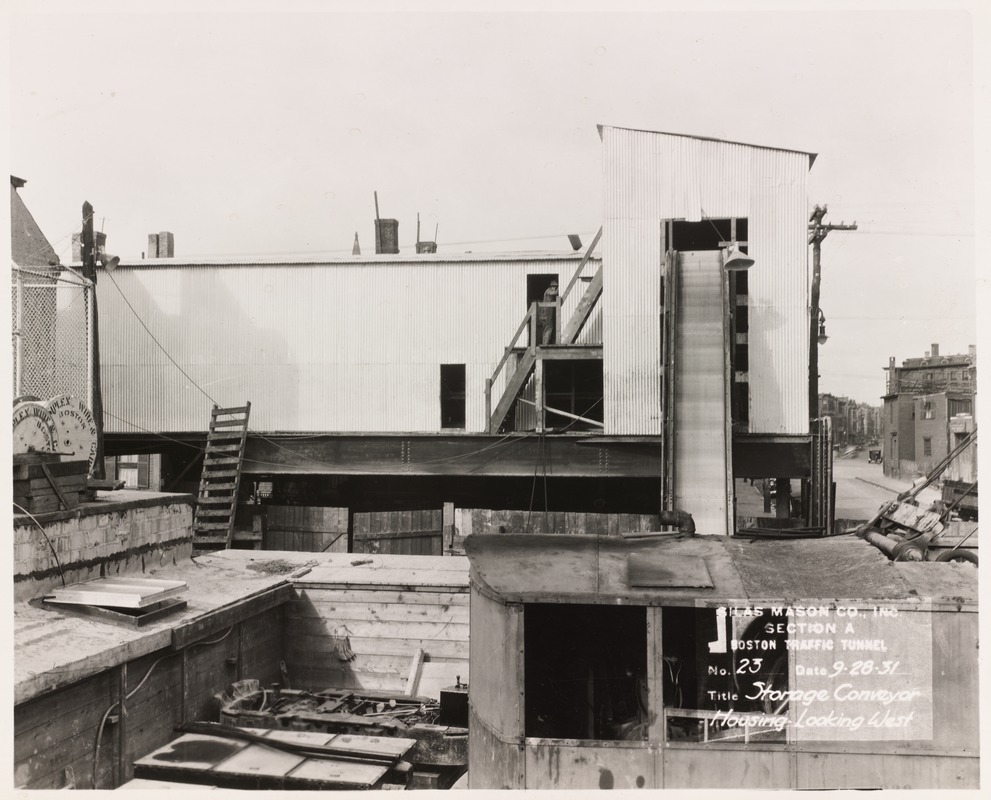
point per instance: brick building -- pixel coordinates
(853, 422)
(923, 395)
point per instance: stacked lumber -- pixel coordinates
(43, 482)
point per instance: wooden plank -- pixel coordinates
(884, 771)
(743, 768)
(216, 460)
(623, 765)
(119, 592)
(307, 594)
(148, 616)
(356, 576)
(56, 469)
(70, 483)
(413, 679)
(494, 647)
(441, 631)
(333, 612)
(492, 762)
(301, 646)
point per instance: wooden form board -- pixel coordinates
(120, 592)
(399, 532)
(385, 629)
(388, 607)
(59, 728)
(54, 650)
(314, 529)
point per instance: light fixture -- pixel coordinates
(736, 260)
(109, 262)
(822, 328)
(575, 240)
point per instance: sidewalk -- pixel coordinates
(862, 488)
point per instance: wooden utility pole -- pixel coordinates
(817, 232)
(88, 243)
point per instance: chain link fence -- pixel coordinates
(51, 333)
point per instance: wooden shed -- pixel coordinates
(715, 662)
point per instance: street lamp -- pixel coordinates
(822, 328)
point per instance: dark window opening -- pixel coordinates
(585, 672)
(740, 353)
(452, 395)
(742, 362)
(742, 278)
(927, 446)
(706, 235)
(742, 319)
(741, 411)
(703, 673)
(959, 407)
(536, 285)
(574, 387)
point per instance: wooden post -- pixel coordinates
(447, 527)
(488, 404)
(87, 240)
(538, 393)
(120, 768)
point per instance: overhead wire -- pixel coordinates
(49, 244)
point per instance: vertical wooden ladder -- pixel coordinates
(216, 505)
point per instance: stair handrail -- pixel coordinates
(531, 314)
(581, 265)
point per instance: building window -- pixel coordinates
(927, 446)
(132, 469)
(452, 396)
(574, 387)
(927, 409)
(959, 407)
(585, 671)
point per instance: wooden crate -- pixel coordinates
(39, 479)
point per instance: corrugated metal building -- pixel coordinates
(649, 177)
(357, 354)
(350, 345)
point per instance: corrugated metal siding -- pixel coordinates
(336, 346)
(649, 177)
(779, 294)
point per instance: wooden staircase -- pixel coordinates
(213, 525)
(526, 358)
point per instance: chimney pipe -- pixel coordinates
(935, 350)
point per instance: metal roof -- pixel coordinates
(812, 156)
(543, 568)
(354, 261)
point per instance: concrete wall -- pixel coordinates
(119, 534)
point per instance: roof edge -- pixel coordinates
(812, 156)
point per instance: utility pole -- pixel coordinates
(88, 243)
(817, 232)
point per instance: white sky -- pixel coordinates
(258, 133)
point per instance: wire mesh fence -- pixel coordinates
(51, 333)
